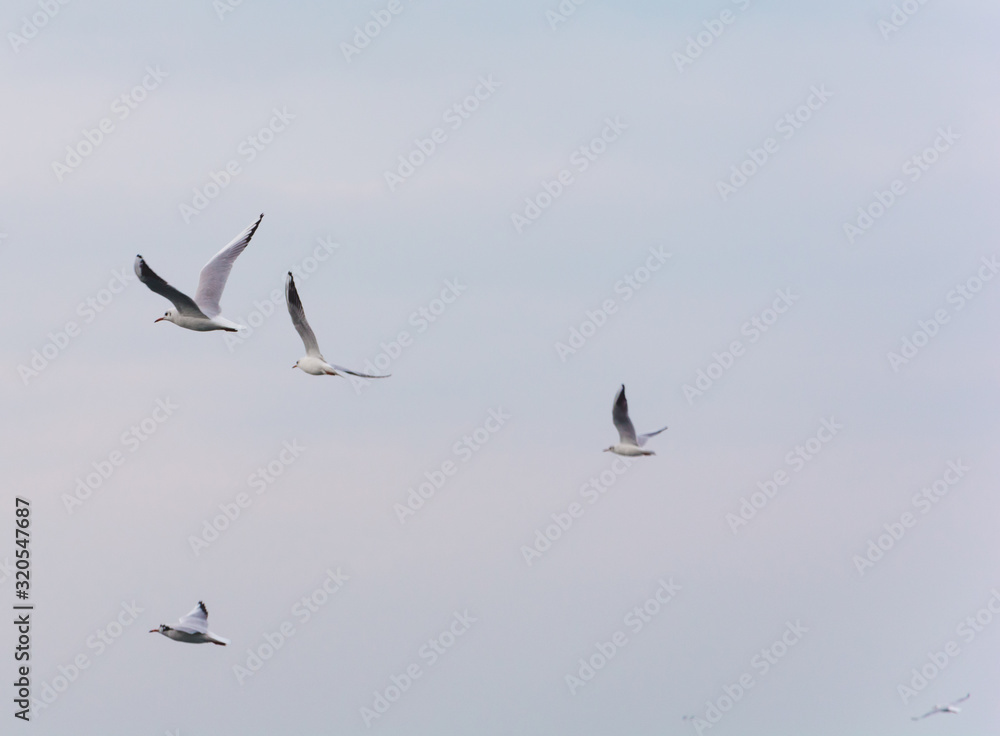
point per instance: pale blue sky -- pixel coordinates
(654, 187)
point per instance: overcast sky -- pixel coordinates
(775, 226)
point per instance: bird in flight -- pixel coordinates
(202, 313)
(313, 362)
(192, 628)
(628, 443)
(950, 708)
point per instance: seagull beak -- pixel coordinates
(154, 631)
(295, 366)
(158, 319)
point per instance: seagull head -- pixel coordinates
(168, 316)
(609, 449)
(296, 364)
(161, 629)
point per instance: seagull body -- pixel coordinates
(203, 313)
(628, 444)
(313, 363)
(192, 629)
(950, 708)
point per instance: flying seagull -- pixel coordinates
(192, 628)
(313, 362)
(628, 443)
(202, 313)
(950, 708)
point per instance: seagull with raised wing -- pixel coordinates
(313, 363)
(628, 443)
(202, 313)
(950, 708)
(192, 629)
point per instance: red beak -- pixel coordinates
(158, 319)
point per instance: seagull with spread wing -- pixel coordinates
(628, 443)
(950, 708)
(313, 363)
(192, 629)
(202, 313)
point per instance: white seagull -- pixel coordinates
(192, 629)
(628, 443)
(202, 313)
(313, 363)
(950, 708)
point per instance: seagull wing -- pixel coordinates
(195, 622)
(298, 315)
(626, 432)
(184, 304)
(214, 274)
(340, 369)
(936, 709)
(644, 437)
(960, 700)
